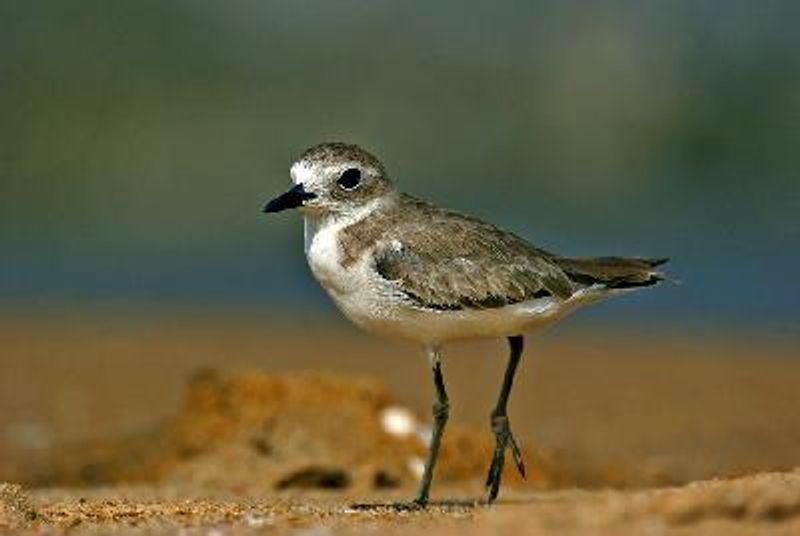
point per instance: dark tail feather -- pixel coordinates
(613, 272)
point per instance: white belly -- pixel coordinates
(434, 326)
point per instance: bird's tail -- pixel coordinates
(613, 272)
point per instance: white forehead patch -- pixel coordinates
(302, 173)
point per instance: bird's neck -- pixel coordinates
(314, 222)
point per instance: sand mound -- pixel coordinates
(256, 431)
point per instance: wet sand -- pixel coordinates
(242, 423)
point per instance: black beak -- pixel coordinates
(292, 199)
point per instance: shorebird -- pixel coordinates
(398, 266)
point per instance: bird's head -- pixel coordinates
(333, 179)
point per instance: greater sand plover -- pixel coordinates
(396, 265)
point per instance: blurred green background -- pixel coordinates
(139, 140)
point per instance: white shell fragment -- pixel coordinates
(398, 421)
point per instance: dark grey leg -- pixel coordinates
(441, 410)
(502, 431)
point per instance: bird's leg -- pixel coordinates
(441, 410)
(502, 431)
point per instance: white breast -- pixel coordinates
(323, 254)
(362, 295)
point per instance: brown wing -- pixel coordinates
(447, 261)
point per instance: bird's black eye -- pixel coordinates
(349, 179)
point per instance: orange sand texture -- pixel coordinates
(283, 433)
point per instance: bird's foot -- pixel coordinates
(504, 439)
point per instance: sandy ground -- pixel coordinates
(239, 424)
(759, 504)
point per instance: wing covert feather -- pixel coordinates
(447, 261)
